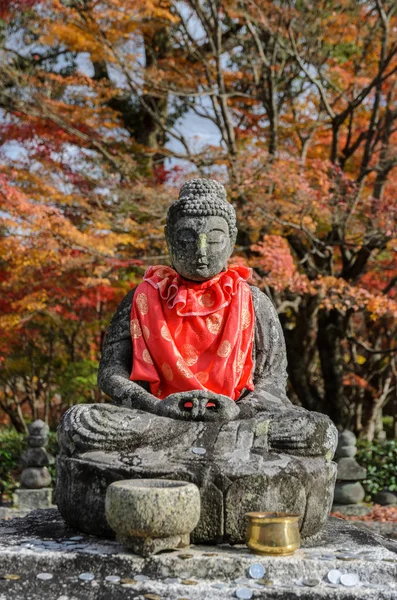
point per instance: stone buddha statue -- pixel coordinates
(194, 361)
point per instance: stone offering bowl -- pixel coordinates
(151, 515)
(273, 533)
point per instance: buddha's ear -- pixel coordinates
(233, 239)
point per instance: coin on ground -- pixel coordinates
(310, 582)
(334, 575)
(44, 576)
(199, 451)
(189, 582)
(349, 579)
(266, 581)
(185, 556)
(127, 580)
(11, 577)
(256, 571)
(113, 578)
(86, 576)
(244, 593)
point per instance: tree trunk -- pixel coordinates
(16, 417)
(299, 354)
(154, 108)
(329, 348)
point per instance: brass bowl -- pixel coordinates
(273, 533)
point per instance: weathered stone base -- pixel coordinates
(41, 543)
(30, 499)
(228, 489)
(148, 546)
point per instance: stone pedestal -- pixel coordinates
(278, 483)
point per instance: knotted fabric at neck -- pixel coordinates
(193, 336)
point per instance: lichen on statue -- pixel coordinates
(196, 346)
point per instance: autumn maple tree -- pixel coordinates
(96, 100)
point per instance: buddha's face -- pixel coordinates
(199, 246)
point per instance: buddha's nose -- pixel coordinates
(201, 251)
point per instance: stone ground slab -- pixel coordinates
(40, 543)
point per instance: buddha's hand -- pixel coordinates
(192, 406)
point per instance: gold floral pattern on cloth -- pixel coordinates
(136, 330)
(207, 299)
(224, 349)
(183, 369)
(202, 377)
(142, 303)
(214, 323)
(146, 332)
(240, 361)
(245, 318)
(167, 371)
(165, 333)
(146, 357)
(189, 354)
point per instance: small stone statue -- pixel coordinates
(195, 363)
(349, 493)
(35, 491)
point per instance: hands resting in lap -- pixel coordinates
(193, 406)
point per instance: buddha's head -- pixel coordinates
(201, 230)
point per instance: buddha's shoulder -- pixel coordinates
(124, 308)
(263, 306)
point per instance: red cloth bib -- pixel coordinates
(193, 336)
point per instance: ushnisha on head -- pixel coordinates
(201, 230)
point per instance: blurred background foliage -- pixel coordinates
(380, 460)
